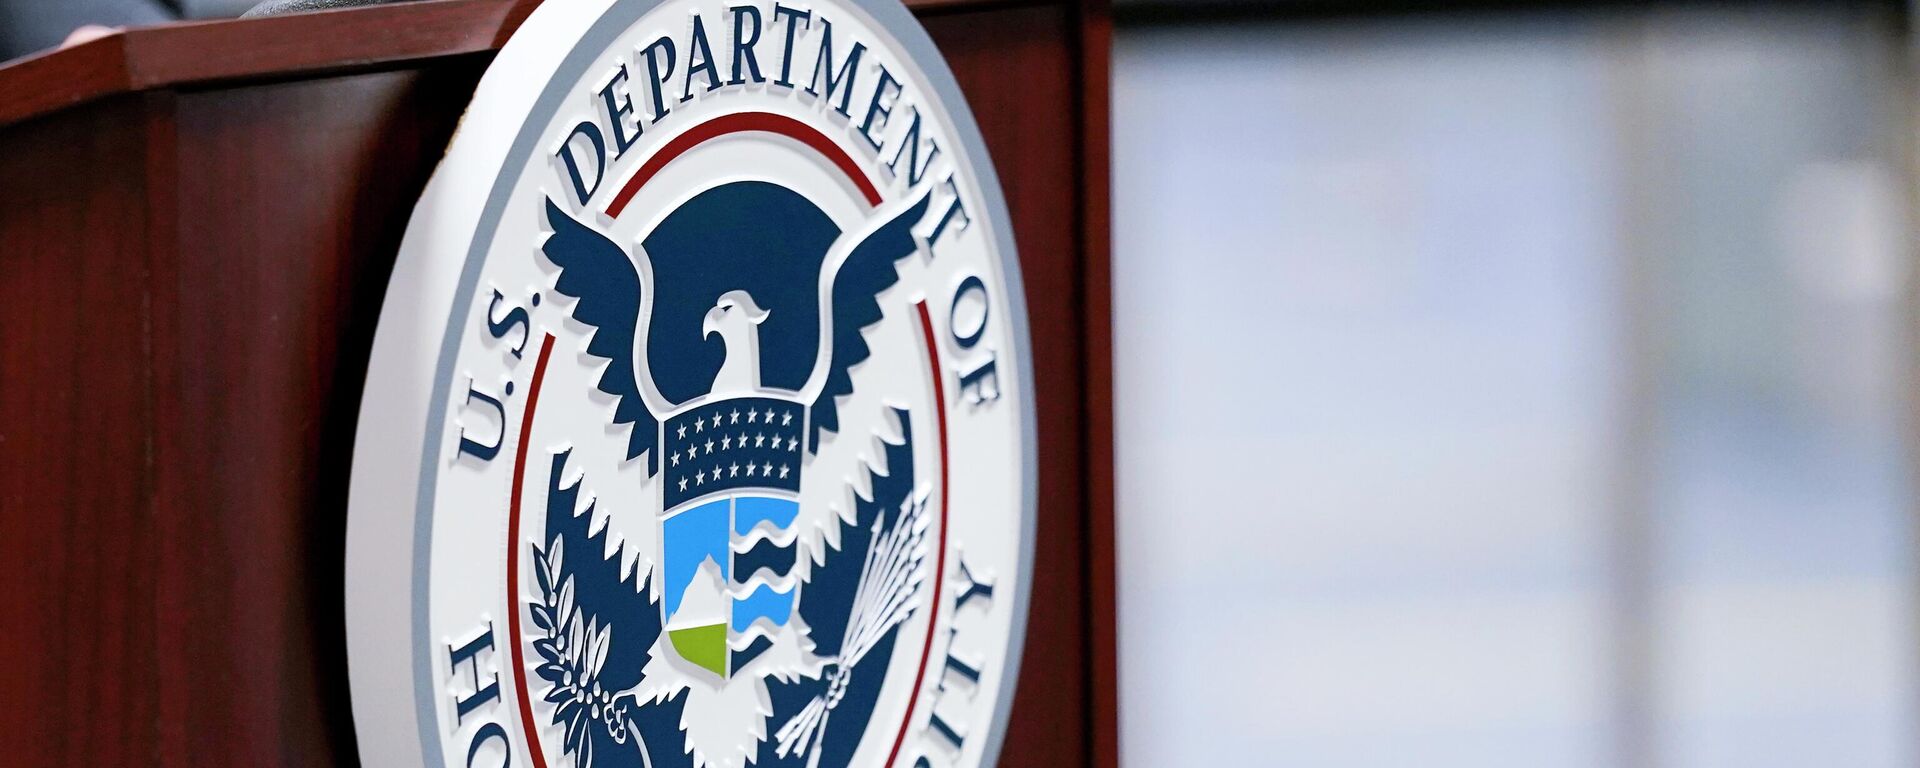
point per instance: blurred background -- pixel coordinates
(1523, 384)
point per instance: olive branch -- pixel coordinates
(573, 652)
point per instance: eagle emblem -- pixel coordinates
(740, 607)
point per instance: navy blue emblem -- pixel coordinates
(754, 305)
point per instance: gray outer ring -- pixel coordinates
(895, 19)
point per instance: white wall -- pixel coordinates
(1399, 311)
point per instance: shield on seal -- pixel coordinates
(731, 496)
(740, 262)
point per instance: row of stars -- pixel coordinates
(727, 443)
(766, 470)
(753, 417)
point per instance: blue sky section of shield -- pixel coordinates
(698, 569)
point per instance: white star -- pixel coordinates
(692, 451)
(709, 447)
(769, 471)
(736, 416)
(769, 414)
(792, 443)
(735, 472)
(676, 459)
(699, 425)
(700, 477)
(683, 484)
(783, 471)
(786, 419)
(716, 473)
(716, 418)
(750, 469)
(683, 431)
(759, 440)
(752, 416)
(725, 443)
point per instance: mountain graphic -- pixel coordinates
(699, 628)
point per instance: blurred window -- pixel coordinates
(1514, 389)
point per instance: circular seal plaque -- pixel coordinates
(698, 429)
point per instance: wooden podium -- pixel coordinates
(196, 228)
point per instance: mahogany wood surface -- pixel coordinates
(190, 53)
(1093, 86)
(76, 526)
(1014, 63)
(197, 223)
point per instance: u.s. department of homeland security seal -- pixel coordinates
(698, 429)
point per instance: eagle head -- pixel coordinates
(735, 318)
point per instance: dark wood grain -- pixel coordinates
(1017, 68)
(1093, 86)
(196, 228)
(182, 54)
(256, 438)
(185, 54)
(75, 407)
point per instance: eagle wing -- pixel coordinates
(607, 288)
(864, 590)
(592, 623)
(853, 298)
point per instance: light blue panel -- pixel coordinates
(691, 537)
(750, 510)
(762, 602)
